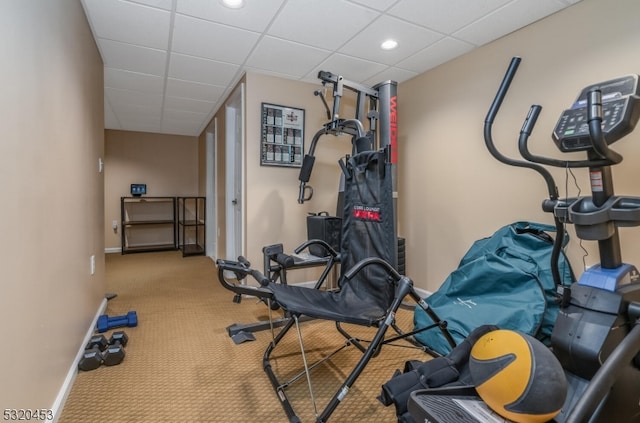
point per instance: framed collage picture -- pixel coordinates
(282, 137)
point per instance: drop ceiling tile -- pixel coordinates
(139, 115)
(129, 22)
(445, 16)
(178, 129)
(224, 43)
(263, 71)
(411, 39)
(171, 115)
(350, 68)
(213, 46)
(507, 19)
(390, 74)
(131, 115)
(437, 53)
(161, 4)
(110, 119)
(132, 58)
(144, 126)
(126, 80)
(125, 98)
(188, 105)
(254, 16)
(286, 57)
(197, 69)
(193, 90)
(183, 122)
(315, 22)
(381, 5)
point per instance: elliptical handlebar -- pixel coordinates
(606, 155)
(502, 91)
(526, 130)
(600, 146)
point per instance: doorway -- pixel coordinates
(211, 234)
(234, 174)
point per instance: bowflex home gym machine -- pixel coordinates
(372, 126)
(380, 105)
(370, 289)
(596, 337)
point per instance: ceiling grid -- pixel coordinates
(169, 64)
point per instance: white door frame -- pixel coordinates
(234, 174)
(211, 189)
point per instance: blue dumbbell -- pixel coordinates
(105, 322)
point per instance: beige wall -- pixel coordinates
(52, 196)
(451, 190)
(168, 164)
(273, 214)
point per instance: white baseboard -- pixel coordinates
(113, 250)
(422, 292)
(58, 404)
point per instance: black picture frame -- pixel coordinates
(282, 136)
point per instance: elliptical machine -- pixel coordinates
(596, 336)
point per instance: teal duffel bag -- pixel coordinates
(503, 280)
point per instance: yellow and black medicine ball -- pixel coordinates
(518, 376)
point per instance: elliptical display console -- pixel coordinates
(619, 109)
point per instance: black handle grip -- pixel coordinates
(531, 119)
(321, 242)
(305, 193)
(242, 268)
(284, 260)
(502, 90)
(307, 167)
(594, 118)
(369, 261)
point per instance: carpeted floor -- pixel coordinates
(181, 365)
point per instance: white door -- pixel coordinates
(211, 234)
(234, 193)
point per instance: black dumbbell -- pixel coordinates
(91, 359)
(100, 351)
(97, 341)
(114, 353)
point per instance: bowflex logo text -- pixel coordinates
(393, 127)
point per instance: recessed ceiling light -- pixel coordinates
(233, 4)
(389, 44)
